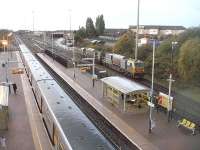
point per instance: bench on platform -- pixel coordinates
(187, 124)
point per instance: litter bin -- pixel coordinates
(4, 92)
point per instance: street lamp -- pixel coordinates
(151, 105)
(93, 70)
(33, 21)
(9, 35)
(52, 46)
(5, 43)
(170, 81)
(137, 30)
(74, 58)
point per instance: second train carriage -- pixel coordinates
(67, 126)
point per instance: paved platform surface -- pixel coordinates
(19, 135)
(25, 127)
(165, 136)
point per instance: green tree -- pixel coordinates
(125, 44)
(162, 61)
(189, 33)
(189, 60)
(100, 25)
(90, 30)
(80, 35)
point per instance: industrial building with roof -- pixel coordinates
(158, 30)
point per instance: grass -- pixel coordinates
(188, 90)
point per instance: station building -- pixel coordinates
(125, 94)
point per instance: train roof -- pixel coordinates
(29, 57)
(24, 49)
(124, 85)
(38, 71)
(77, 127)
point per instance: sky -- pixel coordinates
(55, 14)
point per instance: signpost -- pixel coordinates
(165, 101)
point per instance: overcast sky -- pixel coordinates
(54, 14)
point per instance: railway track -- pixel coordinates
(110, 132)
(115, 137)
(184, 106)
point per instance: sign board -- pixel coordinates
(18, 71)
(163, 100)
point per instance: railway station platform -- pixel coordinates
(25, 127)
(164, 136)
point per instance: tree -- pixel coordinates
(100, 25)
(189, 33)
(80, 35)
(189, 60)
(125, 44)
(162, 60)
(90, 30)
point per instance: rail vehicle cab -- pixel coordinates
(135, 68)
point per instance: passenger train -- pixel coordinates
(67, 127)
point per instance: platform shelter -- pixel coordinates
(125, 94)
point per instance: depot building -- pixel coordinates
(125, 94)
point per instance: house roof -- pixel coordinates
(124, 85)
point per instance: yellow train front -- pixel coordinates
(135, 68)
(130, 67)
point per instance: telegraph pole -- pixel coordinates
(33, 21)
(170, 82)
(137, 30)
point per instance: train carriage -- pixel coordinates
(66, 125)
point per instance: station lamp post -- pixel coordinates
(52, 52)
(74, 64)
(137, 30)
(33, 25)
(151, 105)
(5, 43)
(9, 43)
